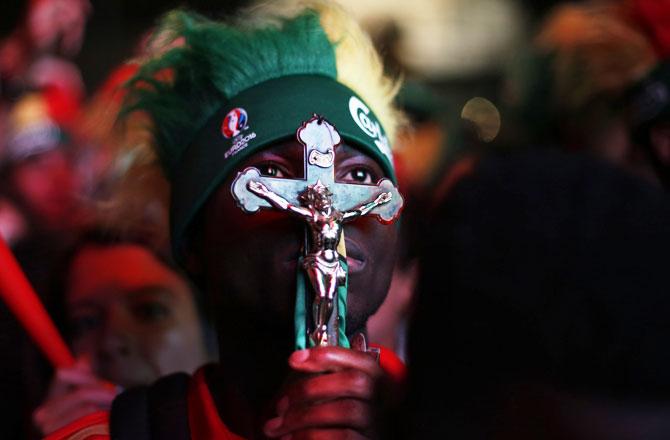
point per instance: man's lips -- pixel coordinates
(356, 257)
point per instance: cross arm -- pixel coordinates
(361, 210)
(279, 193)
(257, 187)
(384, 200)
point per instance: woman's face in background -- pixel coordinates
(132, 316)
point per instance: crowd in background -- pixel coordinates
(529, 220)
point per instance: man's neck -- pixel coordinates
(253, 367)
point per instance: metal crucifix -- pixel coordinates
(312, 200)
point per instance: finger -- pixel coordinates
(325, 434)
(331, 359)
(67, 378)
(344, 384)
(345, 413)
(76, 377)
(79, 375)
(358, 342)
(58, 407)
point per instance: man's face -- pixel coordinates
(251, 260)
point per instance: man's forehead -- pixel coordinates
(292, 149)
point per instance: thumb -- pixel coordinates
(358, 342)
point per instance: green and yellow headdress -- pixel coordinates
(217, 93)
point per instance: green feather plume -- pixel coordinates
(212, 62)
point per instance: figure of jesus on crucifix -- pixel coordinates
(325, 205)
(321, 262)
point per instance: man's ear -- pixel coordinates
(659, 139)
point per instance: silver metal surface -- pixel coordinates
(325, 205)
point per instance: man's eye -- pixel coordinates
(271, 170)
(360, 175)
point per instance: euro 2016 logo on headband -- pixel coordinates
(234, 122)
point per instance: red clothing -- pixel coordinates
(91, 427)
(203, 417)
(391, 364)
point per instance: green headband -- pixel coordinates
(254, 119)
